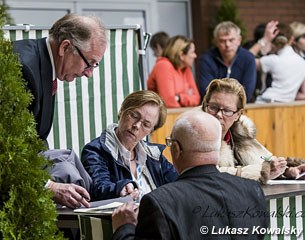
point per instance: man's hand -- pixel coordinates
(127, 213)
(69, 194)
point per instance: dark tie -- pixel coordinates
(54, 87)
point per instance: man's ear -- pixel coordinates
(63, 47)
(240, 40)
(176, 151)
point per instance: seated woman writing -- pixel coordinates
(120, 162)
(240, 152)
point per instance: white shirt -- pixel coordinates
(144, 179)
(288, 73)
(51, 57)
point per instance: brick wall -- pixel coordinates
(252, 12)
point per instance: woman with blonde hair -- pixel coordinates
(172, 76)
(120, 162)
(298, 30)
(240, 152)
(284, 64)
(298, 45)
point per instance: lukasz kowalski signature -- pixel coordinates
(251, 212)
(208, 211)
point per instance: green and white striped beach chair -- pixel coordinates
(85, 107)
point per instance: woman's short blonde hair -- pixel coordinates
(140, 98)
(226, 85)
(298, 29)
(175, 46)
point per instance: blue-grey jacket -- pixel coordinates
(109, 174)
(243, 69)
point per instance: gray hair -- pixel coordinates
(193, 136)
(225, 28)
(79, 30)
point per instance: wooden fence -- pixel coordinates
(280, 127)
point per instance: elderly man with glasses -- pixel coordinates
(74, 47)
(202, 203)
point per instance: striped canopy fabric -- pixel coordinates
(95, 227)
(84, 107)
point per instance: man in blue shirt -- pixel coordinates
(227, 59)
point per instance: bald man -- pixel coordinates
(203, 203)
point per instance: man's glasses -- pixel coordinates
(214, 109)
(169, 142)
(136, 117)
(89, 66)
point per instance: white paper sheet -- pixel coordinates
(104, 209)
(275, 182)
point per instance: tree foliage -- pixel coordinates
(26, 207)
(6, 16)
(228, 11)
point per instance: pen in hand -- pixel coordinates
(266, 158)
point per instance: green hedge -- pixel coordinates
(26, 207)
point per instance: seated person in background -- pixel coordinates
(201, 196)
(172, 76)
(257, 35)
(119, 161)
(286, 67)
(298, 30)
(158, 42)
(263, 45)
(228, 59)
(240, 151)
(263, 80)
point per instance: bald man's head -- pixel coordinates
(199, 136)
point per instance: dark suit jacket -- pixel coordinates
(201, 199)
(37, 71)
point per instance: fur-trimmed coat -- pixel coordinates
(243, 159)
(245, 153)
